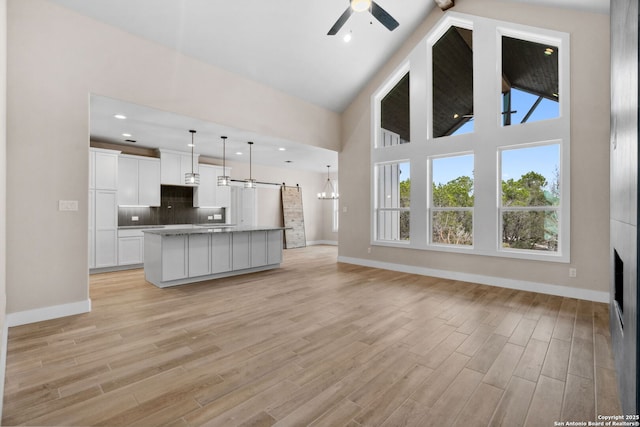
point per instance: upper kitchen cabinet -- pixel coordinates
(208, 194)
(103, 165)
(174, 164)
(138, 181)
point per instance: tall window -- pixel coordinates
(453, 83)
(395, 125)
(529, 81)
(393, 201)
(490, 160)
(452, 200)
(530, 199)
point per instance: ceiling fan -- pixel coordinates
(360, 6)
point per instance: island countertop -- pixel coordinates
(205, 229)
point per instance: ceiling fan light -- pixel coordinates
(360, 5)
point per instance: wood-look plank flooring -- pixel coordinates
(313, 343)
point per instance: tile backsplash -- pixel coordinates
(176, 207)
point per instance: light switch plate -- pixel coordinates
(67, 205)
(217, 216)
(134, 218)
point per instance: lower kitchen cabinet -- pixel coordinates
(275, 245)
(175, 257)
(199, 255)
(241, 251)
(105, 228)
(130, 247)
(258, 248)
(221, 253)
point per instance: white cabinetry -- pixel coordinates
(221, 252)
(138, 181)
(241, 255)
(258, 248)
(175, 257)
(274, 246)
(103, 208)
(199, 255)
(130, 247)
(208, 194)
(243, 206)
(173, 166)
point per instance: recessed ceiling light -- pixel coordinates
(347, 37)
(239, 153)
(282, 149)
(120, 116)
(191, 145)
(126, 135)
(456, 115)
(548, 51)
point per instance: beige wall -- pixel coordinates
(55, 59)
(589, 35)
(269, 202)
(3, 188)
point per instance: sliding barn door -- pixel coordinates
(293, 217)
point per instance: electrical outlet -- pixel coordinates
(134, 218)
(217, 216)
(345, 209)
(369, 250)
(67, 205)
(573, 272)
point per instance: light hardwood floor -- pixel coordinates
(313, 343)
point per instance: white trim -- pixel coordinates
(3, 359)
(522, 285)
(322, 242)
(48, 313)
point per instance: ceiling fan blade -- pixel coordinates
(381, 15)
(340, 22)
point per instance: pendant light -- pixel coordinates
(250, 183)
(328, 192)
(224, 180)
(192, 178)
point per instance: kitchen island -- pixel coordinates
(177, 256)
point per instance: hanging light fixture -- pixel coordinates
(328, 192)
(224, 180)
(250, 182)
(192, 178)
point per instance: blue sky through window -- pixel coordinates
(543, 159)
(447, 169)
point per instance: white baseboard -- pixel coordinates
(322, 242)
(3, 359)
(522, 285)
(48, 313)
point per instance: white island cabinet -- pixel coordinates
(179, 256)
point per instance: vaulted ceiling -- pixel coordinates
(280, 43)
